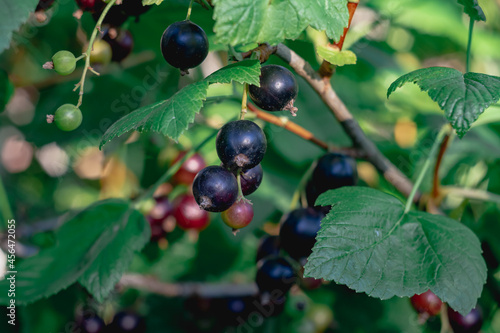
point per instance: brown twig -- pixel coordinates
(326, 69)
(208, 290)
(436, 182)
(302, 132)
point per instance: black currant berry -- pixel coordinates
(239, 215)
(127, 322)
(121, 42)
(90, 5)
(215, 189)
(251, 179)
(115, 16)
(241, 144)
(269, 246)
(298, 231)
(134, 8)
(44, 5)
(274, 273)
(278, 89)
(184, 45)
(92, 324)
(470, 323)
(427, 303)
(332, 171)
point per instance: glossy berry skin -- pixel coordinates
(90, 5)
(278, 89)
(184, 45)
(121, 42)
(189, 169)
(64, 62)
(470, 323)
(268, 246)
(68, 117)
(241, 145)
(189, 215)
(92, 324)
(274, 273)
(215, 189)
(333, 171)
(239, 215)
(298, 231)
(157, 215)
(251, 179)
(127, 322)
(44, 5)
(101, 53)
(427, 302)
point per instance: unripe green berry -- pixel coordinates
(101, 53)
(64, 62)
(68, 117)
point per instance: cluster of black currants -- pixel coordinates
(240, 145)
(123, 322)
(428, 305)
(183, 211)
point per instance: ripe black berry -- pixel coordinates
(184, 45)
(215, 189)
(470, 323)
(274, 273)
(427, 302)
(251, 179)
(277, 91)
(298, 231)
(127, 322)
(269, 246)
(189, 215)
(121, 42)
(189, 169)
(115, 16)
(92, 324)
(134, 8)
(239, 215)
(241, 145)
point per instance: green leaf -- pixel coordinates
(472, 8)
(263, 21)
(129, 235)
(463, 97)
(367, 243)
(83, 244)
(336, 57)
(6, 90)
(13, 14)
(172, 116)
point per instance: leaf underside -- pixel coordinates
(336, 57)
(463, 97)
(173, 116)
(367, 243)
(263, 21)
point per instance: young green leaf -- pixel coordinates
(367, 243)
(337, 57)
(84, 245)
(13, 13)
(263, 21)
(172, 116)
(463, 97)
(472, 8)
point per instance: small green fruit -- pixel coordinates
(64, 62)
(101, 53)
(68, 117)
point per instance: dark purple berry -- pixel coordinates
(298, 231)
(91, 5)
(44, 5)
(251, 179)
(215, 189)
(184, 45)
(115, 16)
(134, 7)
(121, 42)
(92, 324)
(269, 246)
(127, 322)
(470, 323)
(241, 144)
(274, 273)
(278, 89)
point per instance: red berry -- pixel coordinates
(156, 216)
(189, 215)
(427, 302)
(239, 215)
(189, 169)
(90, 5)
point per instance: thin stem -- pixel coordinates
(97, 28)
(189, 10)
(4, 205)
(469, 44)
(81, 57)
(436, 181)
(439, 138)
(172, 170)
(244, 102)
(240, 190)
(302, 184)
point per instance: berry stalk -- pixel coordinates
(244, 102)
